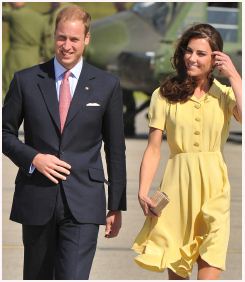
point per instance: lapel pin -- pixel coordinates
(86, 88)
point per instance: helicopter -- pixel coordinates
(137, 44)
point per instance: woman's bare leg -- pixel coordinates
(173, 276)
(206, 271)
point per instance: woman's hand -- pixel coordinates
(146, 203)
(224, 64)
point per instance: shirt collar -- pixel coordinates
(59, 69)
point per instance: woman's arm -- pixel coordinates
(149, 167)
(227, 68)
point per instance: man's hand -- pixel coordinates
(52, 167)
(113, 223)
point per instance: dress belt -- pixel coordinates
(195, 153)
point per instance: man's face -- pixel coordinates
(70, 41)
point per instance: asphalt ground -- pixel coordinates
(114, 257)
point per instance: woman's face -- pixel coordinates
(198, 58)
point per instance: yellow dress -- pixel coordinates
(197, 219)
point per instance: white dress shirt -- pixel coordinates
(73, 78)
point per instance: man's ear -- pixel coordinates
(87, 38)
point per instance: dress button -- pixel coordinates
(197, 132)
(196, 144)
(197, 106)
(197, 119)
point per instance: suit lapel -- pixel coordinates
(82, 92)
(46, 83)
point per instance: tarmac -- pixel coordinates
(114, 259)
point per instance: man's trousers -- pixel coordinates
(63, 249)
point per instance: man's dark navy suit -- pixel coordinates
(32, 98)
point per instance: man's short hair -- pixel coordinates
(74, 13)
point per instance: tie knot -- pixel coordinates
(67, 74)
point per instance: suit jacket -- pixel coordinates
(32, 98)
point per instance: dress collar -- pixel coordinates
(214, 91)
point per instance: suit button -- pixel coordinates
(197, 106)
(196, 144)
(197, 119)
(197, 132)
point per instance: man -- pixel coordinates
(26, 36)
(59, 196)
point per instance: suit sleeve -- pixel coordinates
(114, 146)
(12, 117)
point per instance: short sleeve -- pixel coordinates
(230, 100)
(157, 111)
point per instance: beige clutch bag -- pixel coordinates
(160, 200)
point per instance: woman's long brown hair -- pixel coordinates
(180, 87)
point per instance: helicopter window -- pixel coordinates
(158, 14)
(225, 19)
(223, 4)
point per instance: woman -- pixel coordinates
(195, 110)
